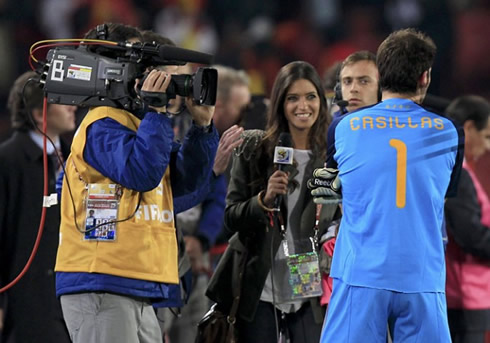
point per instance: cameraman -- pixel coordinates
(108, 279)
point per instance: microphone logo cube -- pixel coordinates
(283, 155)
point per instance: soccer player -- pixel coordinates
(396, 163)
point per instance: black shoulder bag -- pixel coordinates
(217, 326)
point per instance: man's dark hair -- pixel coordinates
(402, 58)
(25, 95)
(114, 32)
(151, 36)
(470, 107)
(358, 56)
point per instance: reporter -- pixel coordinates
(108, 279)
(298, 106)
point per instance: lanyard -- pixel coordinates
(282, 227)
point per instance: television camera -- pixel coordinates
(105, 75)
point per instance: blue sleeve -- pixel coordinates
(59, 182)
(184, 202)
(213, 212)
(135, 159)
(330, 162)
(192, 167)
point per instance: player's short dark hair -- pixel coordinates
(402, 58)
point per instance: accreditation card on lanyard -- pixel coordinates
(304, 267)
(296, 267)
(102, 205)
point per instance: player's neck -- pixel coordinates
(415, 97)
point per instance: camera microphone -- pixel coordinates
(169, 52)
(283, 155)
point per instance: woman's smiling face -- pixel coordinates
(301, 105)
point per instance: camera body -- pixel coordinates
(107, 77)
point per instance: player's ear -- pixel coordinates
(425, 78)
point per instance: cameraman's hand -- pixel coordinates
(157, 81)
(201, 115)
(325, 186)
(230, 139)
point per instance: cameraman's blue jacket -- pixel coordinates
(133, 166)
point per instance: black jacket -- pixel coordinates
(251, 223)
(463, 217)
(33, 312)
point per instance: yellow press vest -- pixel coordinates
(145, 247)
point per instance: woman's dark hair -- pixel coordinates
(402, 58)
(470, 107)
(276, 118)
(277, 122)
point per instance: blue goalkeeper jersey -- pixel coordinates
(397, 162)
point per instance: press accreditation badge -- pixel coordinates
(302, 271)
(102, 207)
(296, 271)
(304, 275)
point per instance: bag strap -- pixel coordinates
(237, 288)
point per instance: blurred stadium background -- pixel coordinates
(260, 36)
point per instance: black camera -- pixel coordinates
(107, 76)
(201, 86)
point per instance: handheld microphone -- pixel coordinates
(283, 155)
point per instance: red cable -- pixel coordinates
(43, 212)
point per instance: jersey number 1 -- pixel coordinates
(401, 171)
